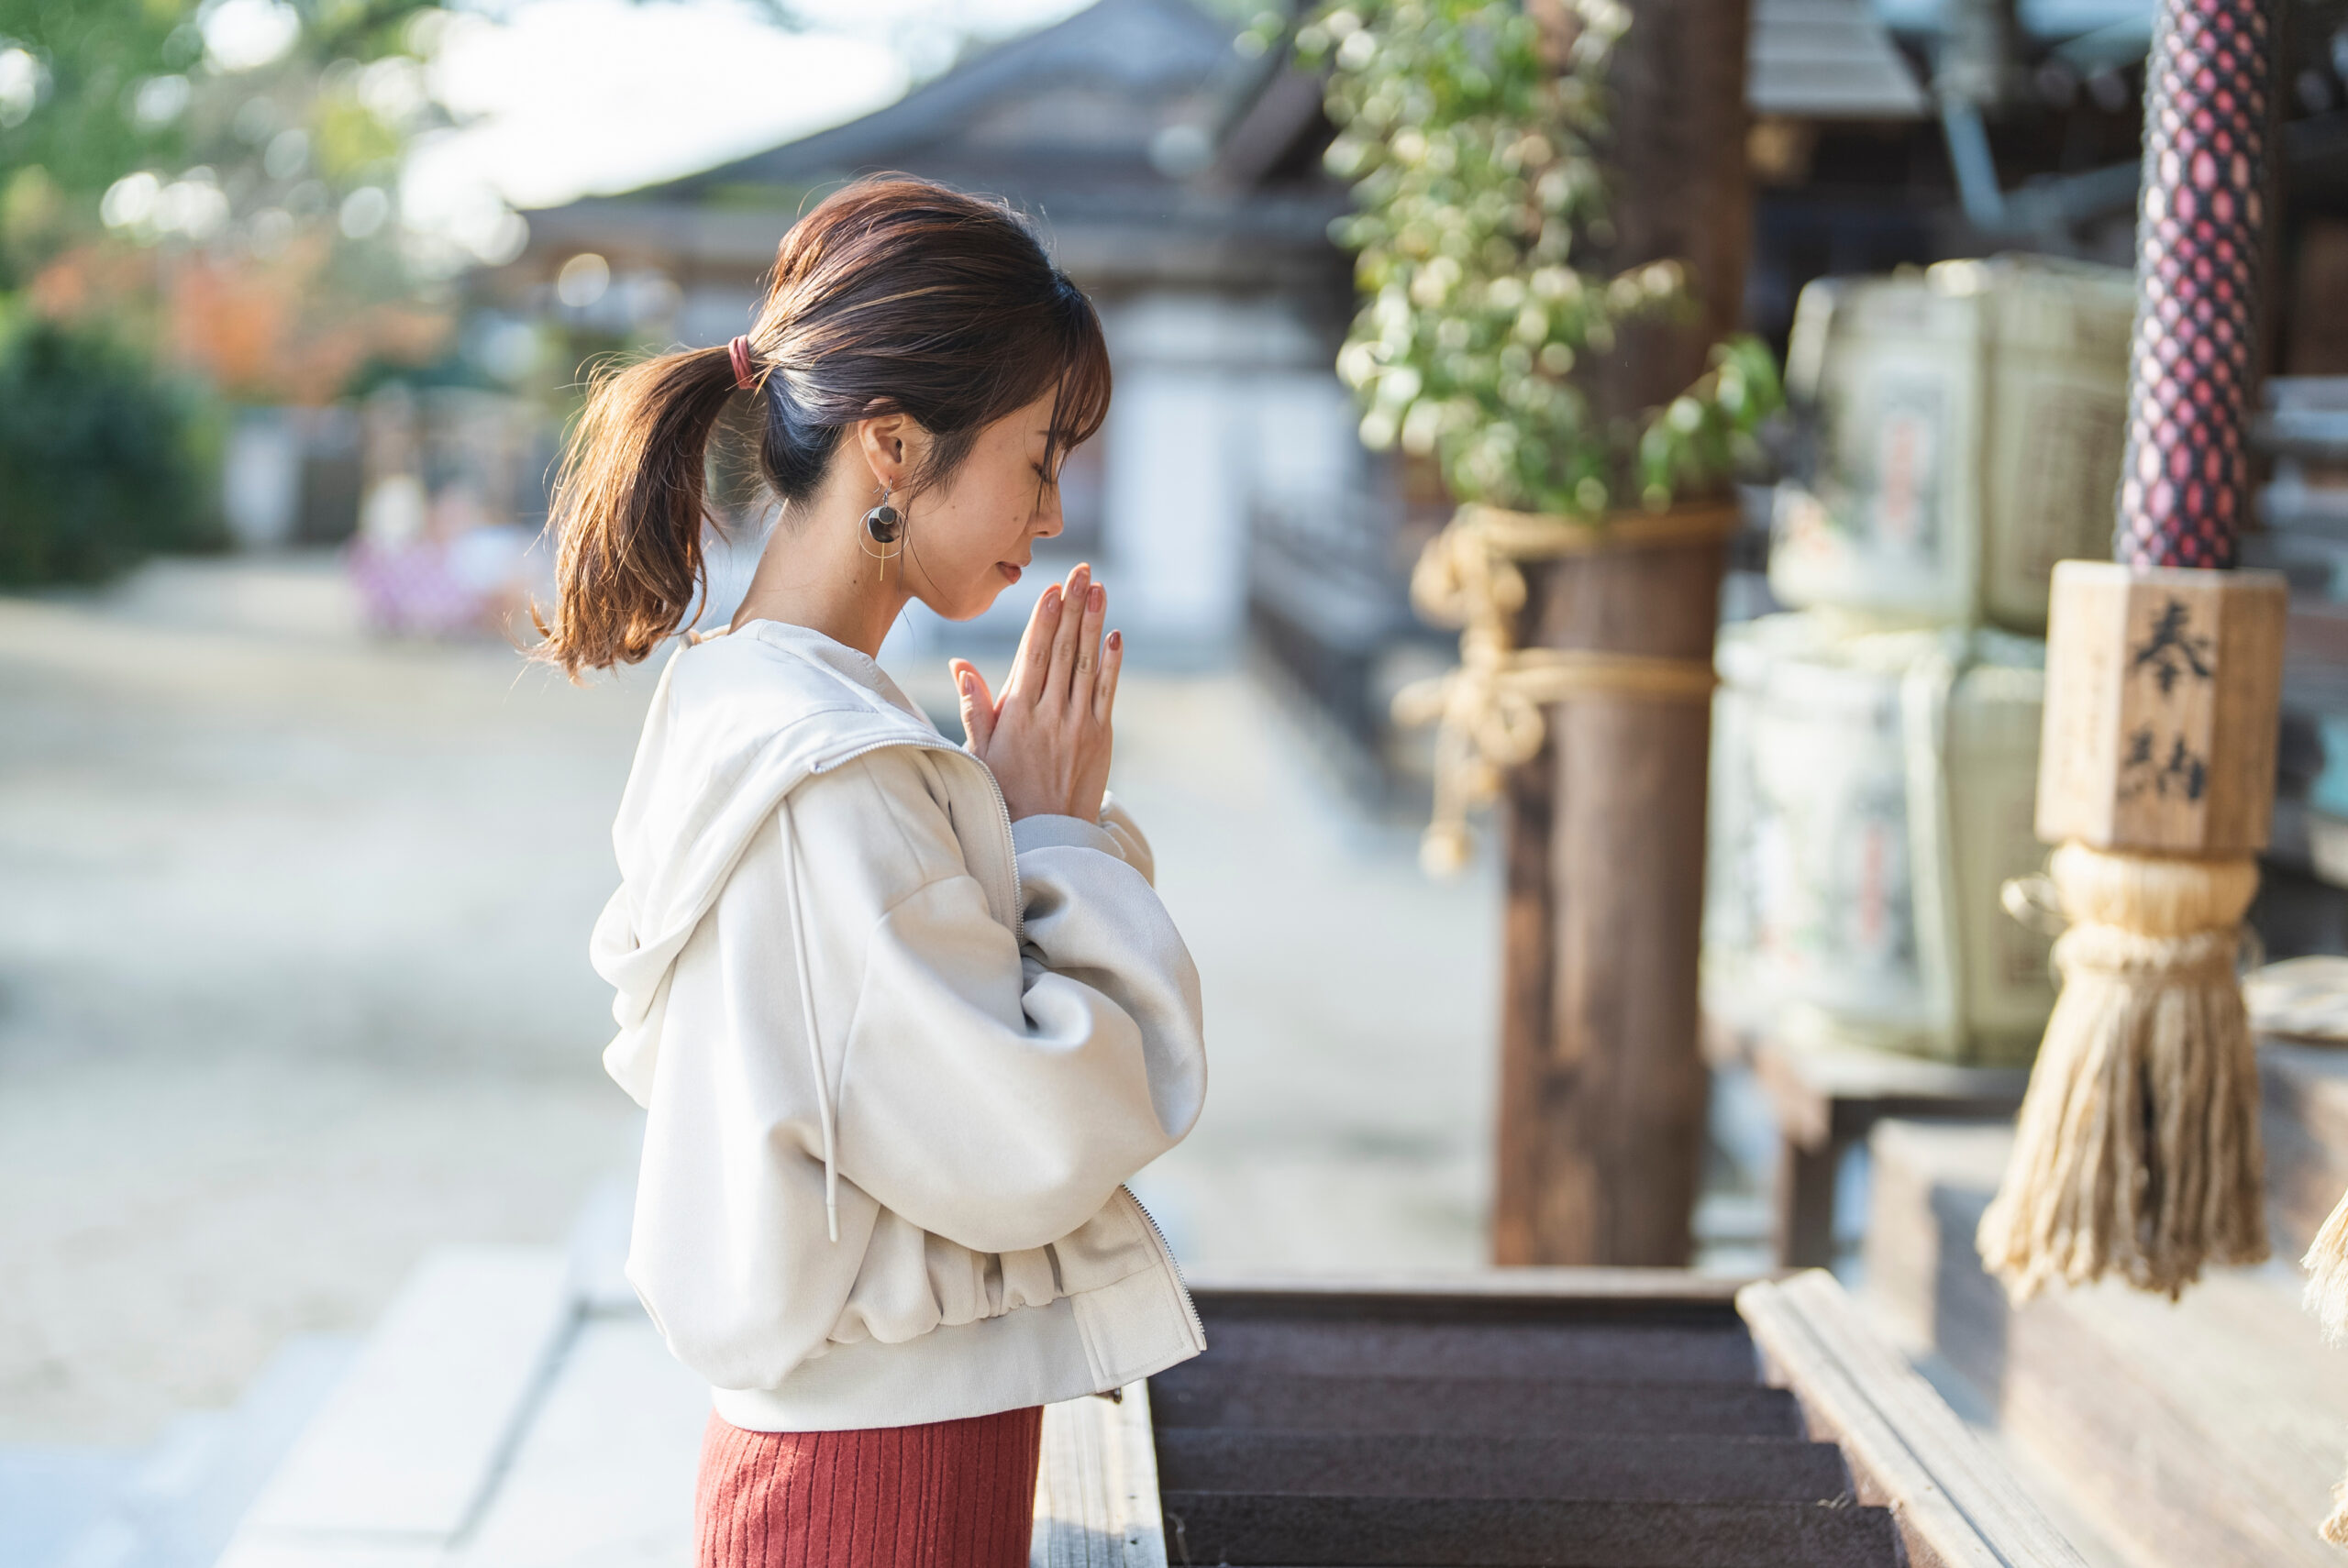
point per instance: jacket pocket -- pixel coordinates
(1114, 1244)
(1139, 1325)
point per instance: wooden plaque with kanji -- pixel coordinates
(2162, 689)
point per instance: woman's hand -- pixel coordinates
(1047, 737)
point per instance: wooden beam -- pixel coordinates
(1954, 1502)
(2188, 1434)
(1096, 1488)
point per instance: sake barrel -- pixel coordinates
(1874, 791)
(1967, 426)
(1735, 988)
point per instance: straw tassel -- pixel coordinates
(2327, 1266)
(2327, 1298)
(2137, 1152)
(2334, 1529)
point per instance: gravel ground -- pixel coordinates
(293, 982)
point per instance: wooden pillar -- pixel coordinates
(1602, 1086)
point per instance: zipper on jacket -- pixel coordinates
(1002, 814)
(1182, 1285)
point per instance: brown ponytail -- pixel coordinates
(893, 295)
(629, 509)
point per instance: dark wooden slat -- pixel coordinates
(1656, 1296)
(1198, 1396)
(1607, 1353)
(1255, 1531)
(1595, 1469)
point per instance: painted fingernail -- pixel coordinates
(1052, 597)
(964, 684)
(1098, 597)
(1117, 640)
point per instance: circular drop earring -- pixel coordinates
(884, 524)
(883, 534)
(884, 529)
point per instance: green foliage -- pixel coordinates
(129, 97)
(99, 464)
(70, 112)
(1476, 143)
(217, 175)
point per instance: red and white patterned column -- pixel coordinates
(2186, 485)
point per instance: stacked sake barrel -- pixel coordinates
(1876, 750)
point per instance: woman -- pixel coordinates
(906, 1015)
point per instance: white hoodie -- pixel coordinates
(900, 1054)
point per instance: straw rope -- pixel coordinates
(1487, 711)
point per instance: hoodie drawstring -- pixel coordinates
(807, 1008)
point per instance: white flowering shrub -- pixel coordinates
(1475, 145)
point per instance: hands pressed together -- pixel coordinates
(1046, 738)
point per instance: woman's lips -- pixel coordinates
(1010, 572)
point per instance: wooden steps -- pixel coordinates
(2201, 1434)
(1278, 1401)
(1569, 1419)
(1596, 1468)
(510, 1412)
(1416, 1346)
(1438, 1532)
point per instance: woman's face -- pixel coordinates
(969, 538)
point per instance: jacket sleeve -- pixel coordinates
(995, 1090)
(1131, 842)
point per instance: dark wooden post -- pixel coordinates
(1601, 1088)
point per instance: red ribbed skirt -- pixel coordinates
(948, 1494)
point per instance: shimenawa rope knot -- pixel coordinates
(1487, 710)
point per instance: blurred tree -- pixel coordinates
(96, 91)
(222, 179)
(194, 197)
(97, 464)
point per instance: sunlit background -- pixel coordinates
(298, 854)
(301, 856)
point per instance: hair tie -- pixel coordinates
(744, 376)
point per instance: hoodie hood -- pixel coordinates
(736, 723)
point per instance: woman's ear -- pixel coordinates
(892, 444)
